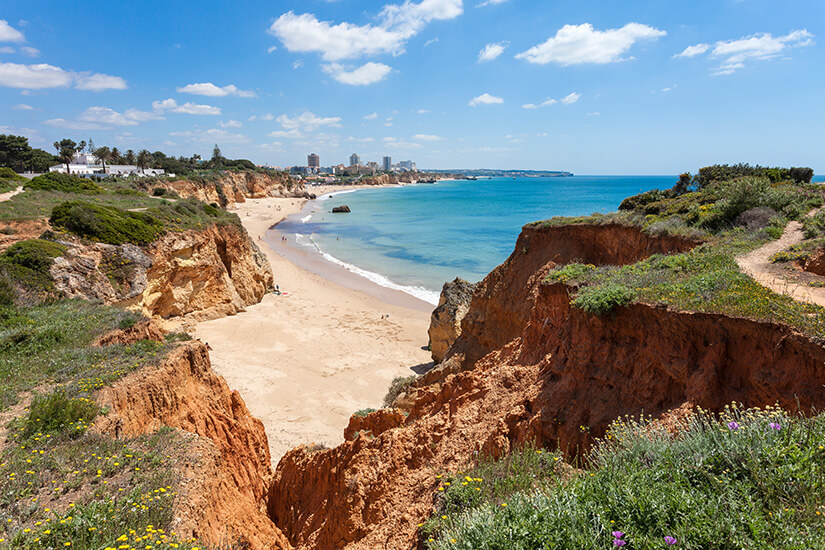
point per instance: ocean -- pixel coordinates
(414, 238)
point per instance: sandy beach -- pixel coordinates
(306, 360)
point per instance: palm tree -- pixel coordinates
(66, 149)
(130, 157)
(116, 157)
(144, 159)
(103, 154)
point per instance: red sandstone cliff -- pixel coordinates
(532, 368)
(235, 186)
(227, 479)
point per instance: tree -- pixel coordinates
(130, 157)
(103, 154)
(66, 150)
(684, 184)
(14, 152)
(117, 158)
(217, 157)
(144, 159)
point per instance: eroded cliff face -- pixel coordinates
(234, 187)
(225, 482)
(202, 274)
(535, 369)
(815, 263)
(445, 321)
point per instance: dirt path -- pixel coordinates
(6, 196)
(782, 278)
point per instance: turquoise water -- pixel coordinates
(417, 237)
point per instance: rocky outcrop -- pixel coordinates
(343, 209)
(403, 177)
(232, 187)
(815, 263)
(146, 329)
(227, 480)
(445, 322)
(551, 374)
(202, 274)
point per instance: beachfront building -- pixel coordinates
(407, 166)
(313, 161)
(86, 165)
(354, 160)
(387, 164)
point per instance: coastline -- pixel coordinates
(306, 360)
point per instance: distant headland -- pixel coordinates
(484, 172)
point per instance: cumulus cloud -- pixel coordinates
(186, 109)
(23, 107)
(577, 44)
(335, 42)
(569, 99)
(490, 3)
(97, 117)
(369, 73)
(6, 49)
(211, 135)
(211, 90)
(427, 137)
(734, 54)
(371, 116)
(230, 124)
(9, 33)
(308, 121)
(42, 75)
(29, 51)
(485, 99)
(491, 51)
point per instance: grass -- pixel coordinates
(49, 344)
(739, 480)
(798, 252)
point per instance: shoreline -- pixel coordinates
(306, 360)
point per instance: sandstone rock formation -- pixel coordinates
(343, 209)
(445, 322)
(226, 482)
(202, 274)
(146, 329)
(233, 187)
(815, 263)
(534, 368)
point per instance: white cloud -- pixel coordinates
(369, 73)
(297, 64)
(335, 42)
(372, 116)
(485, 99)
(430, 42)
(308, 121)
(143, 116)
(427, 137)
(104, 115)
(23, 107)
(230, 124)
(211, 90)
(490, 3)
(74, 124)
(267, 116)
(271, 49)
(666, 90)
(187, 108)
(492, 51)
(211, 136)
(9, 33)
(422, 111)
(99, 82)
(693, 51)
(570, 99)
(97, 117)
(6, 49)
(29, 51)
(34, 77)
(595, 113)
(576, 44)
(756, 47)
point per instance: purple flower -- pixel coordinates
(619, 543)
(775, 425)
(670, 541)
(617, 534)
(733, 425)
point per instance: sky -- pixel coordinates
(587, 86)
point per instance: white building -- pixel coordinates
(85, 164)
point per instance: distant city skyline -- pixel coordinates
(640, 87)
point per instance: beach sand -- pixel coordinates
(305, 361)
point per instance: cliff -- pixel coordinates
(227, 477)
(530, 367)
(232, 187)
(203, 273)
(403, 177)
(445, 322)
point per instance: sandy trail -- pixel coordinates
(780, 279)
(305, 361)
(6, 196)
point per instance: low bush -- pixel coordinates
(35, 254)
(398, 386)
(814, 226)
(58, 413)
(7, 174)
(64, 183)
(599, 300)
(363, 412)
(106, 224)
(24, 271)
(755, 218)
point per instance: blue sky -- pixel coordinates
(594, 87)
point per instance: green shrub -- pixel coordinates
(814, 226)
(56, 413)
(34, 254)
(570, 273)
(602, 299)
(8, 174)
(398, 386)
(106, 224)
(363, 412)
(65, 183)
(742, 479)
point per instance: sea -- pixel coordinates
(416, 237)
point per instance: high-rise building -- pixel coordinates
(354, 160)
(407, 165)
(387, 164)
(313, 161)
